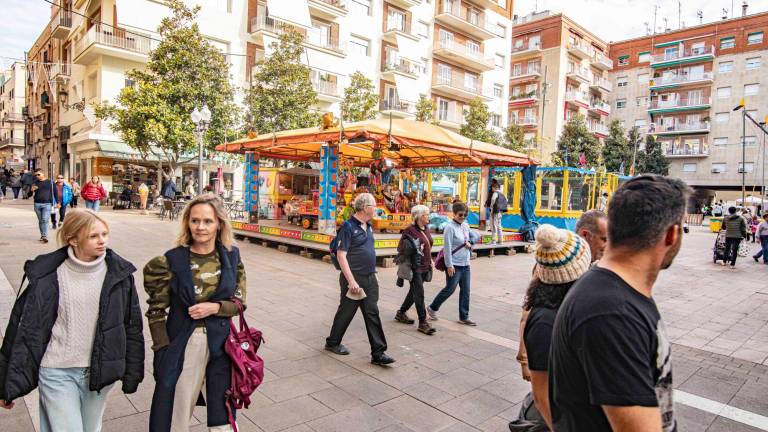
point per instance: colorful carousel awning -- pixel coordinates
(407, 143)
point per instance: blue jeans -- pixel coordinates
(461, 278)
(43, 212)
(764, 251)
(66, 403)
(93, 205)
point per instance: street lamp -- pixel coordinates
(202, 119)
(743, 151)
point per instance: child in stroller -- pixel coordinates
(718, 251)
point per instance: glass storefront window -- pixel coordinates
(551, 189)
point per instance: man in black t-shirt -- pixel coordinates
(44, 202)
(610, 367)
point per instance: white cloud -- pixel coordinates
(23, 21)
(615, 20)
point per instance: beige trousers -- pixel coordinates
(191, 382)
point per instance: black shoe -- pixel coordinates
(425, 328)
(337, 349)
(402, 317)
(382, 360)
(468, 322)
(756, 259)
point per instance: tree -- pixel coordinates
(183, 72)
(281, 96)
(652, 159)
(617, 153)
(360, 99)
(475, 124)
(575, 140)
(514, 137)
(425, 110)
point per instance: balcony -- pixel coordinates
(579, 74)
(577, 98)
(673, 81)
(328, 9)
(396, 28)
(526, 50)
(580, 49)
(400, 67)
(468, 21)
(397, 109)
(527, 74)
(529, 121)
(47, 130)
(112, 42)
(680, 128)
(327, 91)
(682, 149)
(11, 142)
(524, 98)
(600, 107)
(60, 71)
(598, 129)
(405, 4)
(459, 86)
(677, 57)
(61, 24)
(601, 61)
(315, 39)
(675, 105)
(13, 118)
(601, 84)
(464, 55)
(451, 118)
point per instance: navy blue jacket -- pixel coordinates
(169, 360)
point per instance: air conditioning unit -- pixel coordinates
(741, 170)
(716, 171)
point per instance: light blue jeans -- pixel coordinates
(93, 205)
(66, 403)
(43, 212)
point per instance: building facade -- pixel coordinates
(559, 70)
(682, 86)
(12, 83)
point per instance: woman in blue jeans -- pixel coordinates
(457, 233)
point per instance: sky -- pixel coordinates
(610, 20)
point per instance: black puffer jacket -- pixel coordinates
(118, 348)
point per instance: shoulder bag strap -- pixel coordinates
(23, 278)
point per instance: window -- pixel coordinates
(751, 89)
(746, 167)
(470, 81)
(517, 69)
(501, 30)
(697, 48)
(720, 142)
(395, 20)
(498, 90)
(621, 103)
(499, 61)
(753, 63)
(750, 141)
(644, 57)
(755, 38)
(723, 92)
(422, 29)
(128, 82)
(641, 101)
(360, 7)
(359, 46)
(689, 167)
(623, 60)
(443, 73)
(473, 48)
(722, 117)
(727, 43)
(640, 123)
(442, 109)
(719, 167)
(642, 78)
(725, 67)
(621, 81)
(496, 120)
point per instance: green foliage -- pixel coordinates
(514, 137)
(634, 140)
(425, 110)
(475, 124)
(616, 150)
(652, 159)
(183, 72)
(281, 96)
(575, 140)
(360, 99)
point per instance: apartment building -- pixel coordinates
(682, 87)
(82, 57)
(559, 70)
(12, 83)
(448, 50)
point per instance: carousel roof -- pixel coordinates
(407, 143)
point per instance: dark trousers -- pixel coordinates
(368, 305)
(732, 249)
(461, 279)
(73, 204)
(15, 192)
(763, 252)
(62, 212)
(415, 297)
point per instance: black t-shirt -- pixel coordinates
(44, 192)
(609, 347)
(356, 239)
(538, 337)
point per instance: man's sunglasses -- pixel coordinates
(461, 215)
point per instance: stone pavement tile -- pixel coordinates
(298, 428)
(436, 344)
(445, 362)
(722, 374)
(396, 428)
(415, 414)
(757, 405)
(118, 405)
(426, 393)
(286, 414)
(722, 424)
(405, 375)
(243, 424)
(725, 343)
(369, 389)
(709, 388)
(16, 419)
(475, 407)
(690, 419)
(358, 419)
(681, 371)
(479, 349)
(495, 367)
(460, 427)
(459, 381)
(135, 423)
(511, 413)
(288, 388)
(142, 399)
(511, 388)
(326, 366)
(285, 368)
(336, 399)
(494, 424)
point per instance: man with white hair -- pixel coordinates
(359, 284)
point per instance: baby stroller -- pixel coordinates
(718, 251)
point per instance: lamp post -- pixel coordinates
(202, 119)
(743, 150)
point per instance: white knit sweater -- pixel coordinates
(75, 327)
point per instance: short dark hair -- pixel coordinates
(540, 294)
(731, 209)
(459, 206)
(643, 208)
(38, 170)
(589, 220)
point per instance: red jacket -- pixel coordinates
(93, 193)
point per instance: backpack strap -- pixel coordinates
(23, 278)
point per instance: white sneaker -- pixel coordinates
(432, 314)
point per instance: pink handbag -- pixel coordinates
(247, 366)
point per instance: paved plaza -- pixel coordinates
(461, 379)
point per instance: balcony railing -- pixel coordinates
(455, 9)
(401, 65)
(315, 38)
(341, 4)
(458, 81)
(63, 18)
(581, 49)
(577, 96)
(451, 116)
(524, 95)
(13, 117)
(682, 79)
(530, 70)
(600, 105)
(525, 121)
(326, 87)
(681, 127)
(115, 38)
(397, 105)
(680, 103)
(397, 25)
(598, 128)
(602, 59)
(682, 149)
(580, 72)
(684, 54)
(464, 50)
(602, 83)
(11, 141)
(60, 69)
(530, 46)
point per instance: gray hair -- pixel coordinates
(419, 210)
(362, 200)
(589, 221)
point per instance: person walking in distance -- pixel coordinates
(610, 361)
(762, 235)
(44, 202)
(27, 180)
(16, 184)
(75, 191)
(735, 232)
(498, 207)
(457, 248)
(192, 290)
(74, 330)
(358, 281)
(62, 194)
(93, 192)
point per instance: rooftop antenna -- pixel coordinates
(700, 15)
(666, 24)
(679, 12)
(725, 13)
(655, 12)
(647, 28)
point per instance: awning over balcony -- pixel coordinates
(295, 12)
(407, 88)
(409, 49)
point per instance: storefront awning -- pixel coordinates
(118, 150)
(294, 12)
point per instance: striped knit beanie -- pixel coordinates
(561, 255)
